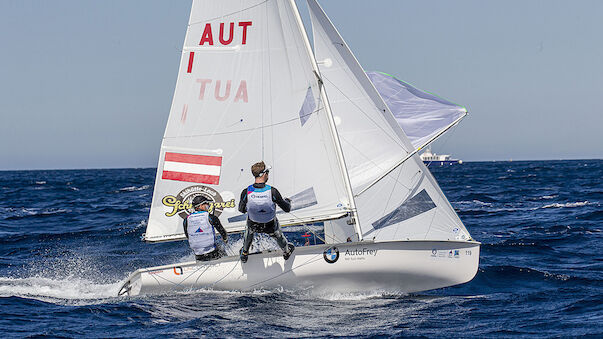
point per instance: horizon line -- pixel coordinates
(135, 167)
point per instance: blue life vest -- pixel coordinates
(260, 207)
(201, 234)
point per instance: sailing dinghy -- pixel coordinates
(250, 87)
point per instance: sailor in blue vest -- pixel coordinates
(259, 202)
(199, 229)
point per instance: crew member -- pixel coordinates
(259, 201)
(199, 229)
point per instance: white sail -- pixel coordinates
(246, 92)
(400, 204)
(249, 88)
(422, 115)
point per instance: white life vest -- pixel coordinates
(260, 207)
(201, 234)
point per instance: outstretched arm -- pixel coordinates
(284, 204)
(218, 225)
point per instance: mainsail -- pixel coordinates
(246, 91)
(422, 115)
(396, 199)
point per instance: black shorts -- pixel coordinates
(267, 227)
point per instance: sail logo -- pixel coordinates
(207, 38)
(223, 90)
(331, 255)
(181, 203)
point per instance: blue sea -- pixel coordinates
(69, 237)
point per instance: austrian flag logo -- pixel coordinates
(202, 169)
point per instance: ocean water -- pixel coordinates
(68, 238)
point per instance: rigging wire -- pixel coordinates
(245, 129)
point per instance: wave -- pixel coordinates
(20, 213)
(359, 296)
(63, 278)
(473, 202)
(549, 196)
(566, 205)
(57, 291)
(483, 198)
(519, 245)
(134, 188)
(517, 274)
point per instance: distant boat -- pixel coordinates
(442, 159)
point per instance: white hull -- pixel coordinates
(406, 266)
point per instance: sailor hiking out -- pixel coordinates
(259, 202)
(199, 229)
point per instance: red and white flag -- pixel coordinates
(203, 169)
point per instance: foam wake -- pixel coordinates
(68, 290)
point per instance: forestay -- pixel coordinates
(245, 92)
(405, 204)
(422, 116)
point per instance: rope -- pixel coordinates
(243, 130)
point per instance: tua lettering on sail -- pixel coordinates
(250, 87)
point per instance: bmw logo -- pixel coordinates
(331, 255)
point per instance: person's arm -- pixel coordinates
(284, 204)
(243, 202)
(185, 224)
(218, 225)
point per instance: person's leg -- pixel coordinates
(279, 236)
(247, 237)
(215, 254)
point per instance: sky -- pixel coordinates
(89, 84)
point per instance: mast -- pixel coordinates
(332, 126)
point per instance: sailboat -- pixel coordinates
(251, 87)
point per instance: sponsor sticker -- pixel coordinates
(359, 253)
(435, 253)
(181, 203)
(331, 255)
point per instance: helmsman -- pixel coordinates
(259, 201)
(199, 229)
